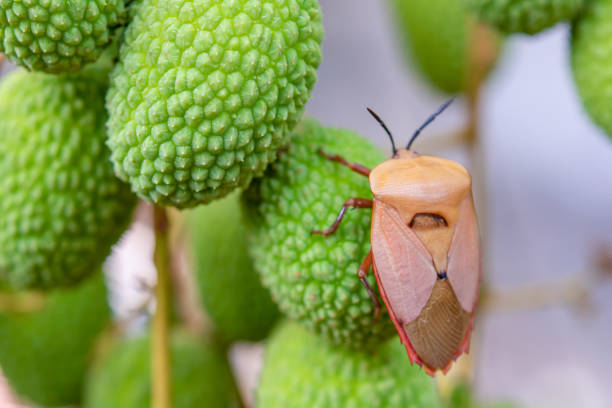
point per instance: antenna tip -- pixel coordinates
(375, 115)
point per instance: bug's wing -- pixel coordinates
(464, 257)
(404, 267)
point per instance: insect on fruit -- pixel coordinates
(425, 249)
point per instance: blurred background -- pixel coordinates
(546, 178)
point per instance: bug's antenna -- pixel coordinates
(428, 121)
(380, 121)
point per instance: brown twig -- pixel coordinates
(161, 368)
(573, 292)
(483, 51)
(576, 292)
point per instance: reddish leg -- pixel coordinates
(364, 269)
(351, 202)
(357, 168)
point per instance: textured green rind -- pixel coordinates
(524, 16)
(230, 289)
(313, 278)
(591, 56)
(44, 354)
(206, 91)
(57, 36)
(303, 371)
(435, 34)
(201, 375)
(62, 207)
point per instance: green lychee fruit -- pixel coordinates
(230, 289)
(206, 91)
(62, 206)
(462, 396)
(201, 376)
(591, 54)
(44, 353)
(303, 371)
(524, 16)
(435, 34)
(439, 37)
(314, 278)
(57, 36)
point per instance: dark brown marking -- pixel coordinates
(351, 202)
(437, 334)
(363, 271)
(356, 167)
(426, 221)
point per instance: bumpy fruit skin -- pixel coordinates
(524, 16)
(230, 289)
(205, 92)
(201, 376)
(313, 278)
(44, 354)
(591, 56)
(62, 207)
(57, 36)
(303, 371)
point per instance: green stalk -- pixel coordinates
(160, 358)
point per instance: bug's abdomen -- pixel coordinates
(439, 331)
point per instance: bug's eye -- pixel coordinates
(425, 221)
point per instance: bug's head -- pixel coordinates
(407, 153)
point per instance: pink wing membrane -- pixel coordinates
(404, 267)
(464, 257)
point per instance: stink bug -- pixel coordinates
(425, 249)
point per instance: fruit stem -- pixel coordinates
(483, 51)
(572, 292)
(160, 358)
(576, 292)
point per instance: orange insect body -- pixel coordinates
(426, 254)
(425, 250)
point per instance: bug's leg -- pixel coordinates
(351, 202)
(356, 167)
(364, 269)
